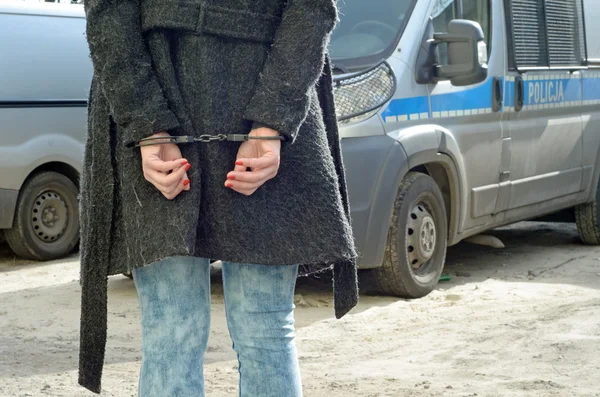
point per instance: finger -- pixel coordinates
(255, 176)
(175, 192)
(182, 186)
(186, 183)
(240, 168)
(261, 162)
(156, 164)
(167, 182)
(246, 192)
(237, 186)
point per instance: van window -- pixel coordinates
(479, 11)
(475, 10)
(545, 33)
(592, 31)
(368, 32)
(566, 45)
(443, 12)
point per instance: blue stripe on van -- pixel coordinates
(407, 109)
(591, 88)
(541, 91)
(479, 97)
(476, 100)
(551, 91)
(509, 93)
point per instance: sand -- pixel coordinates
(519, 321)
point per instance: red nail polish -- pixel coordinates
(231, 177)
(187, 167)
(184, 162)
(239, 162)
(229, 184)
(186, 182)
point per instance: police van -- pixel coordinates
(457, 116)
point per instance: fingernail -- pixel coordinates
(231, 177)
(187, 167)
(186, 182)
(239, 162)
(184, 162)
(229, 184)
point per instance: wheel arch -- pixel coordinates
(59, 167)
(443, 172)
(432, 149)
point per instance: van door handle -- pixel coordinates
(497, 94)
(519, 93)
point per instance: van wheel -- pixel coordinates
(46, 224)
(588, 223)
(417, 240)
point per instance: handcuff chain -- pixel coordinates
(210, 138)
(204, 138)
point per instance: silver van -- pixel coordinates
(457, 116)
(45, 74)
(460, 116)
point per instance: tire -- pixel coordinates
(54, 196)
(412, 267)
(588, 223)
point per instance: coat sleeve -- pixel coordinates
(293, 66)
(123, 64)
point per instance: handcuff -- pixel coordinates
(179, 139)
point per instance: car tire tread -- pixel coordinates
(17, 237)
(388, 278)
(586, 218)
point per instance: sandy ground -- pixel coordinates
(521, 321)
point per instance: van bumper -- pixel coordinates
(8, 203)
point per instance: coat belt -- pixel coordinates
(201, 18)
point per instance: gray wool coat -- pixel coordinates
(194, 67)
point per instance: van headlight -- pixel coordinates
(360, 95)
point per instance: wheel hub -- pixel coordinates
(49, 216)
(421, 236)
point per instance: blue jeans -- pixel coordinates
(174, 297)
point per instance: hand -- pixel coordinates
(261, 156)
(165, 168)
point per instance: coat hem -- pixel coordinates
(317, 262)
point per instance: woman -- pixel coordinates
(211, 68)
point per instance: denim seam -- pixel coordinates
(228, 318)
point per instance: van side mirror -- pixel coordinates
(467, 55)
